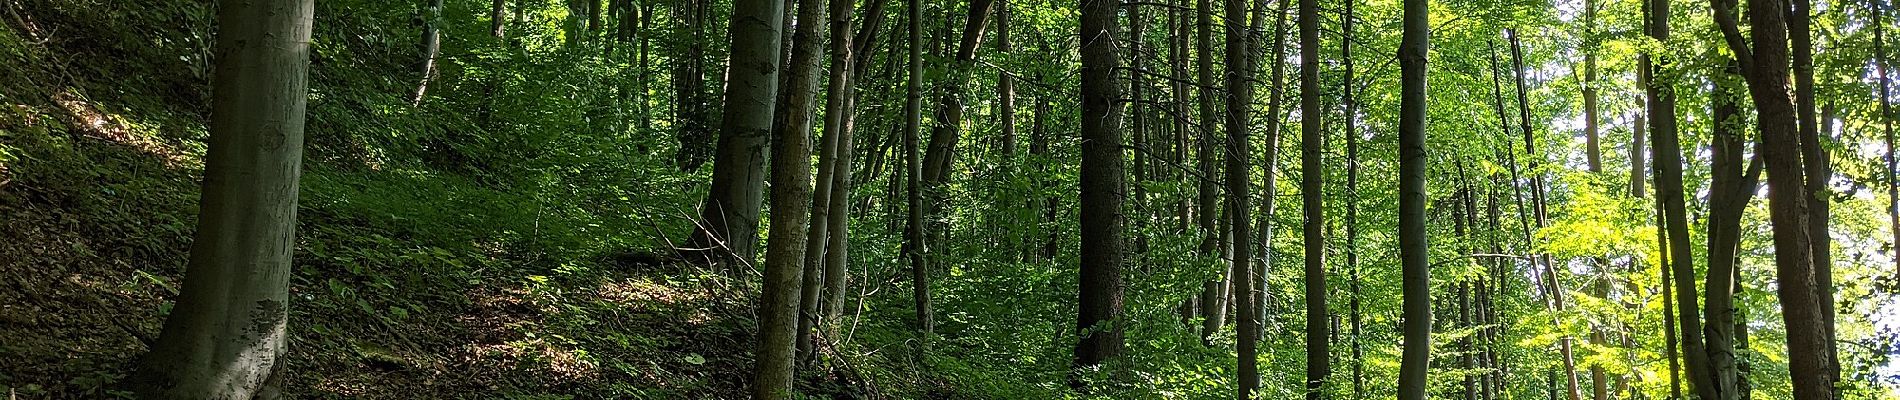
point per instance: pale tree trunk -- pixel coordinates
(431, 45)
(840, 108)
(730, 218)
(1415, 270)
(1312, 205)
(755, 33)
(1239, 103)
(1099, 297)
(226, 334)
(797, 119)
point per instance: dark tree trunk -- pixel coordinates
(226, 336)
(1312, 186)
(691, 107)
(1351, 122)
(1554, 289)
(1100, 296)
(1415, 282)
(1240, 91)
(1213, 293)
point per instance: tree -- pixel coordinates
(226, 336)
(1416, 270)
(1765, 64)
(840, 106)
(1312, 205)
(1100, 296)
(1214, 293)
(913, 167)
(431, 45)
(755, 34)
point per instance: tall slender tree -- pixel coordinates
(1414, 266)
(1100, 298)
(791, 175)
(1313, 205)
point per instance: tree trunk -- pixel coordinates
(1730, 189)
(1312, 186)
(730, 218)
(755, 39)
(1351, 123)
(949, 118)
(1815, 165)
(1213, 293)
(913, 167)
(1239, 102)
(841, 105)
(498, 19)
(431, 46)
(1776, 123)
(1099, 297)
(226, 335)
(1593, 152)
(1555, 289)
(1886, 126)
(805, 71)
(1415, 282)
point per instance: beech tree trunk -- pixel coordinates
(431, 46)
(1100, 297)
(1351, 122)
(1415, 270)
(225, 337)
(797, 119)
(1766, 67)
(1554, 289)
(791, 173)
(730, 218)
(840, 114)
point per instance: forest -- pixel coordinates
(949, 199)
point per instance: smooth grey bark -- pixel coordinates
(225, 337)
(431, 45)
(796, 119)
(949, 117)
(840, 114)
(1415, 270)
(1098, 322)
(749, 109)
(730, 219)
